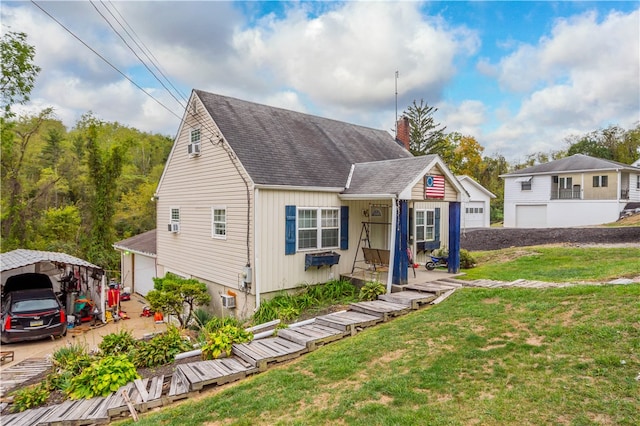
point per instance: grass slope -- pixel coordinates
(556, 264)
(484, 356)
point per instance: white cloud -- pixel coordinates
(583, 76)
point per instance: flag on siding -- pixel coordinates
(434, 186)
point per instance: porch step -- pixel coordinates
(410, 298)
(432, 287)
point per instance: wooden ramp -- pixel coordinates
(348, 321)
(385, 310)
(260, 353)
(311, 335)
(412, 299)
(27, 418)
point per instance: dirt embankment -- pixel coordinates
(498, 238)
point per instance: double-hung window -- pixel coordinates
(425, 225)
(219, 222)
(195, 136)
(174, 219)
(600, 181)
(318, 228)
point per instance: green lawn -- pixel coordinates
(566, 356)
(556, 264)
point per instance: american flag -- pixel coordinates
(434, 186)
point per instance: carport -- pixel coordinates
(71, 277)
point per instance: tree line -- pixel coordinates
(79, 190)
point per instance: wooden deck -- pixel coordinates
(247, 358)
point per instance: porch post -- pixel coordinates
(454, 237)
(401, 260)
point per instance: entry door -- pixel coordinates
(380, 223)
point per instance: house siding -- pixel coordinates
(450, 193)
(610, 192)
(195, 185)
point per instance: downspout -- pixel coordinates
(102, 303)
(392, 244)
(256, 252)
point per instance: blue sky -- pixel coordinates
(520, 77)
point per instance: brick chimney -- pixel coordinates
(403, 134)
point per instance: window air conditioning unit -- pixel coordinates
(194, 149)
(174, 227)
(228, 301)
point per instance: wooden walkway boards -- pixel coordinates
(348, 321)
(12, 376)
(311, 335)
(260, 353)
(247, 358)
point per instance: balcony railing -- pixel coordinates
(624, 194)
(565, 194)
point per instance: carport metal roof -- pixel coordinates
(23, 257)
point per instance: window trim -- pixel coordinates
(191, 132)
(318, 228)
(214, 223)
(171, 218)
(425, 225)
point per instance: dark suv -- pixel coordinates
(31, 313)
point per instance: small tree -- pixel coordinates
(178, 296)
(427, 136)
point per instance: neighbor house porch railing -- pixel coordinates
(624, 194)
(566, 194)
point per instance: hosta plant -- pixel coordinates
(102, 377)
(371, 290)
(220, 341)
(29, 397)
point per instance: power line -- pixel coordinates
(105, 60)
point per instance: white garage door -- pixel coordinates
(474, 214)
(145, 271)
(531, 216)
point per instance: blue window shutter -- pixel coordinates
(344, 227)
(436, 224)
(290, 230)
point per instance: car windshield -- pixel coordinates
(33, 305)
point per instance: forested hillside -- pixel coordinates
(77, 190)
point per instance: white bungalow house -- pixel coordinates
(476, 210)
(573, 191)
(255, 199)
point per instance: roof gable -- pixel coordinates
(282, 147)
(576, 162)
(468, 180)
(144, 243)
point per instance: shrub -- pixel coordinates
(117, 343)
(467, 261)
(29, 397)
(371, 290)
(221, 341)
(102, 377)
(72, 358)
(200, 319)
(162, 349)
(177, 296)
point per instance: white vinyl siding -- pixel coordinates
(219, 222)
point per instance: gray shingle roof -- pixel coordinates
(142, 243)
(576, 162)
(22, 257)
(387, 177)
(282, 147)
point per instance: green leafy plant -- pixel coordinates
(467, 261)
(59, 380)
(72, 358)
(221, 341)
(162, 349)
(178, 296)
(371, 290)
(200, 319)
(117, 343)
(29, 397)
(102, 377)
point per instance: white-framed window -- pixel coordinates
(195, 136)
(219, 222)
(318, 228)
(600, 181)
(425, 225)
(174, 214)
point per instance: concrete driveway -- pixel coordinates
(89, 336)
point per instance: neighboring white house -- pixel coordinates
(573, 191)
(476, 210)
(138, 262)
(254, 200)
